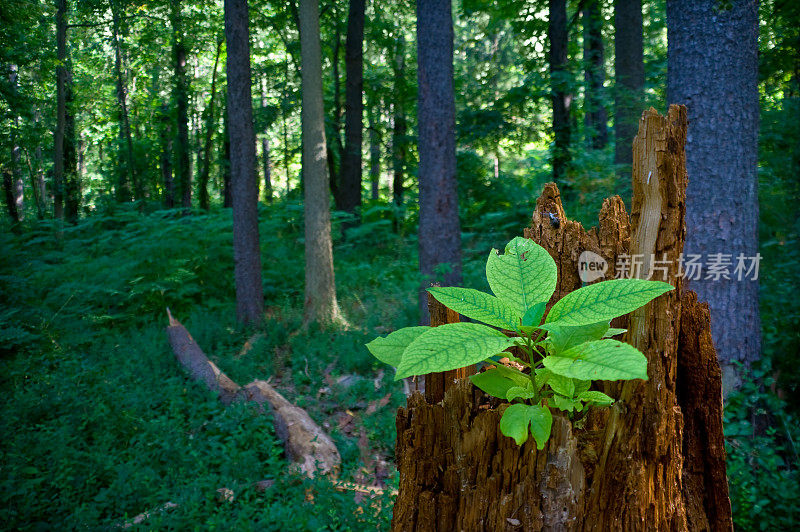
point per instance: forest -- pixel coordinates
(277, 184)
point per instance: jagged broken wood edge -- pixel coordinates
(305, 443)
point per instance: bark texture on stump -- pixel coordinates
(655, 459)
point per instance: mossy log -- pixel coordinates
(655, 460)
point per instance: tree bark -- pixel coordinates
(244, 185)
(320, 290)
(205, 171)
(11, 204)
(181, 98)
(560, 93)
(350, 171)
(166, 156)
(335, 146)
(713, 70)
(127, 175)
(439, 227)
(374, 155)
(72, 183)
(227, 201)
(628, 82)
(653, 460)
(265, 151)
(16, 150)
(594, 75)
(400, 124)
(267, 168)
(61, 106)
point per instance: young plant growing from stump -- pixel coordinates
(559, 358)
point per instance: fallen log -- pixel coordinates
(305, 443)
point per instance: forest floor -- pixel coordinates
(100, 423)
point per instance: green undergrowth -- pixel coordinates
(99, 421)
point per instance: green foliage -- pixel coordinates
(605, 301)
(99, 421)
(761, 438)
(524, 276)
(451, 346)
(563, 355)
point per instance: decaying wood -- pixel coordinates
(641, 459)
(305, 443)
(197, 363)
(654, 460)
(144, 516)
(700, 397)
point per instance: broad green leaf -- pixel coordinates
(522, 277)
(451, 346)
(477, 305)
(614, 332)
(389, 350)
(566, 404)
(493, 383)
(515, 421)
(608, 360)
(595, 397)
(560, 384)
(541, 423)
(518, 392)
(605, 300)
(534, 314)
(519, 378)
(581, 386)
(541, 377)
(563, 337)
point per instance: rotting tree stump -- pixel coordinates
(655, 460)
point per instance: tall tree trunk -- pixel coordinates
(594, 75)
(36, 170)
(266, 164)
(11, 204)
(61, 106)
(127, 175)
(559, 89)
(628, 82)
(335, 146)
(72, 183)
(713, 69)
(16, 149)
(350, 172)
(439, 227)
(227, 199)
(205, 170)
(320, 290)
(37, 181)
(244, 185)
(374, 154)
(166, 156)
(286, 150)
(181, 97)
(400, 125)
